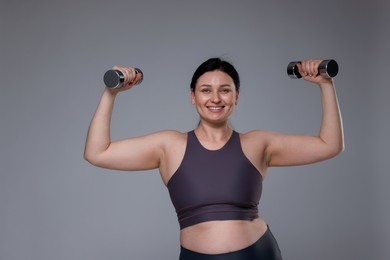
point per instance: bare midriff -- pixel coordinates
(218, 237)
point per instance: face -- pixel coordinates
(215, 96)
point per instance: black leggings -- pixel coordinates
(266, 248)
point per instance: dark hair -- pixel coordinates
(213, 64)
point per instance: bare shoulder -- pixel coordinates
(256, 137)
(163, 134)
(171, 139)
(171, 135)
(262, 141)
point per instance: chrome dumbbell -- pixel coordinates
(115, 78)
(327, 69)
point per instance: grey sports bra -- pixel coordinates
(215, 185)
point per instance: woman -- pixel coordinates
(214, 174)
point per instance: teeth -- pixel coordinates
(215, 108)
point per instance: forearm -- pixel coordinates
(331, 132)
(98, 137)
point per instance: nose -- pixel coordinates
(215, 97)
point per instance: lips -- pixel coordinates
(215, 108)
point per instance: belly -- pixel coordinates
(218, 237)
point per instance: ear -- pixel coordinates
(237, 94)
(192, 97)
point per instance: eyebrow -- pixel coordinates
(220, 86)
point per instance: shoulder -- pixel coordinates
(255, 142)
(171, 134)
(159, 139)
(258, 140)
(254, 145)
(256, 136)
(169, 137)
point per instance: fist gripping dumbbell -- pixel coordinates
(115, 78)
(327, 69)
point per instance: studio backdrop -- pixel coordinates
(55, 205)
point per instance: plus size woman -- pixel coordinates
(214, 174)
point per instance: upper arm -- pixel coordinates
(289, 150)
(132, 154)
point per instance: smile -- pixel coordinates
(215, 108)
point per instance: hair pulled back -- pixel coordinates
(213, 64)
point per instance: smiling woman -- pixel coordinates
(214, 174)
(215, 96)
(220, 74)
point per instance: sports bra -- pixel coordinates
(215, 184)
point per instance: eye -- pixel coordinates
(205, 90)
(225, 90)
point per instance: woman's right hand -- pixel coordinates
(130, 78)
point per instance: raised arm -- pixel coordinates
(284, 150)
(140, 153)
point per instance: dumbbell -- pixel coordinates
(115, 78)
(327, 69)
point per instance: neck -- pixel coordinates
(213, 132)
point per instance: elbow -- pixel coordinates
(95, 157)
(335, 151)
(87, 155)
(88, 158)
(91, 159)
(341, 147)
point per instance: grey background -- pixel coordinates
(54, 205)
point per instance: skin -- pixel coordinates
(215, 98)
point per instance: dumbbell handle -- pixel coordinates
(115, 78)
(327, 69)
